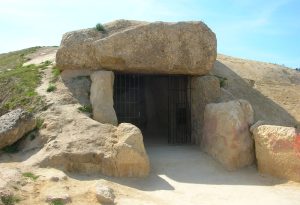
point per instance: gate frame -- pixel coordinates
(183, 93)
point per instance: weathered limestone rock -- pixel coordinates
(78, 83)
(226, 135)
(77, 143)
(104, 194)
(142, 47)
(102, 97)
(62, 198)
(277, 151)
(204, 90)
(14, 125)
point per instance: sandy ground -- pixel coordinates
(180, 175)
(185, 175)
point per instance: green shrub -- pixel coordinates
(30, 175)
(57, 202)
(11, 149)
(222, 81)
(46, 63)
(39, 123)
(86, 108)
(55, 74)
(51, 88)
(100, 27)
(9, 199)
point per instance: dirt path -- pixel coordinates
(41, 55)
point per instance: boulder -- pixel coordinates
(14, 125)
(204, 90)
(277, 151)
(104, 194)
(102, 97)
(226, 135)
(76, 143)
(141, 47)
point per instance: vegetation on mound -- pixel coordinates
(55, 74)
(86, 108)
(9, 199)
(18, 83)
(17, 89)
(12, 60)
(100, 27)
(11, 149)
(51, 88)
(222, 81)
(57, 202)
(30, 175)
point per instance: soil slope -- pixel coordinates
(272, 90)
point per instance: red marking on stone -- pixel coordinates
(297, 144)
(282, 146)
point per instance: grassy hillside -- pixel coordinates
(18, 83)
(15, 59)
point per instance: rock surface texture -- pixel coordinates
(105, 194)
(76, 143)
(226, 135)
(142, 47)
(277, 151)
(102, 97)
(14, 125)
(204, 90)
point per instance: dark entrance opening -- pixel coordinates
(160, 105)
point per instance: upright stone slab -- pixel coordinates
(102, 97)
(277, 151)
(204, 90)
(226, 135)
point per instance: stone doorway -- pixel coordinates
(160, 105)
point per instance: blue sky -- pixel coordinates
(265, 30)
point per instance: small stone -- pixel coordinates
(65, 198)
(54, 179)
(105, 194)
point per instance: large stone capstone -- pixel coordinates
(141, 47)
(226, 134)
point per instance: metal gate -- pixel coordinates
(129, 104)
(179, 113)
(128, 98)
